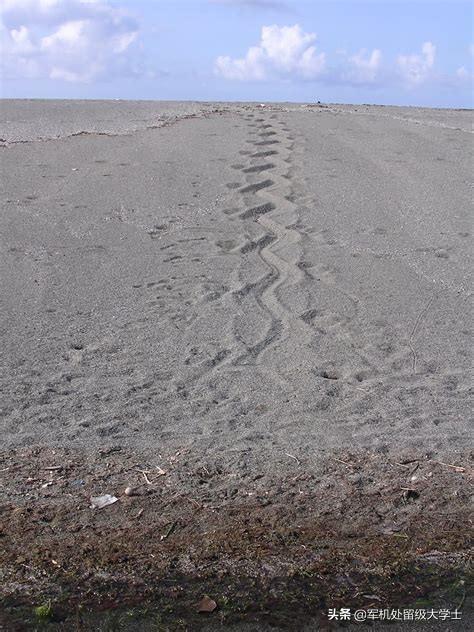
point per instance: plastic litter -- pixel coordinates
(98, 502)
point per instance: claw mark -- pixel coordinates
(267, 142)
(261, 243)
(218, 358)
(253, 188)
(308, 316)
(259, 168)
(264, 154)
(256, 211)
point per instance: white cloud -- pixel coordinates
(68, 40)
(416, 68)
(69, 36)
(285, 51)
(364, 67)
(250, 68)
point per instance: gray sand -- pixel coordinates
(31, 119)
(271, 281)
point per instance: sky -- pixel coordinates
(403, 52)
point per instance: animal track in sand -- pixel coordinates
(256, 211)
(264, 290)
(258, 287)
(254, 351)
(259, 244)
(263, 143)
(218, 358)
(259, 168)
(253, 188)
(264, 154)
(309, 316)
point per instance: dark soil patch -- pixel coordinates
(363, 531)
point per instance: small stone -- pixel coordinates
(207, 604)
(130, 491)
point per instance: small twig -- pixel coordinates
(53, 468)
(456, 468)
(195, 502)
(345, 462)
(400, 535)
(159, 473)
(372, 597)
(293, 457)
(138, 514)
(144, 472)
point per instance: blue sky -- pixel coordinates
(406, 52)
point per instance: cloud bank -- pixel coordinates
(285, 51)
(288, 52)
(68, 40)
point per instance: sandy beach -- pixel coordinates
(271, 305)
